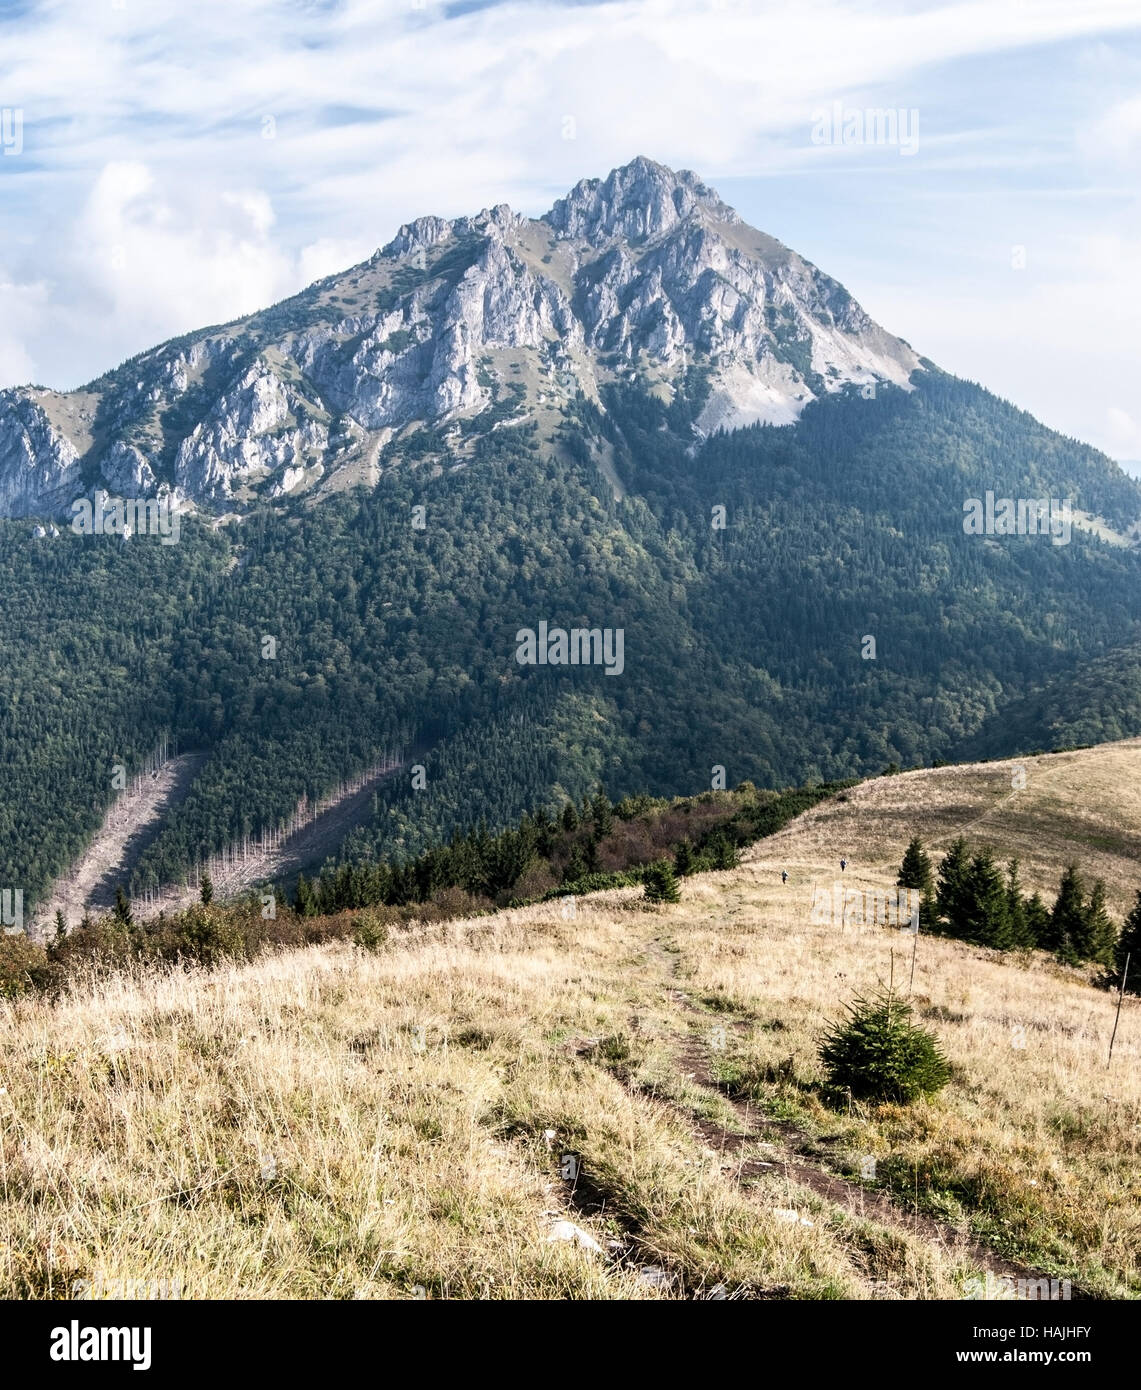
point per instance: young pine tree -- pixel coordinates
(915, 873)
(661, 883)
(206, 889)
(683, 859)
(1021, 938)
(1068, 919)
(544, 833)
(950, 892)
(304, 901)
(122, 908)
(1100, 934)
(723, 853)
(576, 866)
(1037, 921)
(878, 1053)
(1129, 945)
(986, 921)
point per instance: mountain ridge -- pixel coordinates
(465, 324)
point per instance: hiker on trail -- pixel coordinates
(784, 876)
(843, 865)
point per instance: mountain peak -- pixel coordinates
(471, 325)
(635, 202)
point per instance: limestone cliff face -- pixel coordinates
(261, 426)
(39, 464)
(645, 274)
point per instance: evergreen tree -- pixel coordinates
(986, 920)
(661, 883)
(576, 866)
(878, 1053)
(915, 873)
(1100, 936)
(683, 859)
(1021, 936)
(60, 925)
(915, 870)
(570, 818)
(206, 888)
(122, 908)
(304, 900)
(950, 894)
(602, 813)
(723, 853)
(1037, 921)
(1068, 919)
(544, 833)
(1129, 945)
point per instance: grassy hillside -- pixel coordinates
(1084, 805)
(341, 1122)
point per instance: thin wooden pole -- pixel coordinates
(914, 951)
(1117, 1019)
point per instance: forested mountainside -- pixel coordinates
(745, 648)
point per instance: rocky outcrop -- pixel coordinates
(39, 465)
(127, 473)
(637, 203)
(262, 426)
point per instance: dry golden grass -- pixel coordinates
(1035, 1142)
(1084, 805)
(337, 1123)
(334, 1123)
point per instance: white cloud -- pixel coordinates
(1115, 135)
(328, 256)
(1123, 433)
(1058, 339)
(146, 259)
(161, 256)
(19, 307)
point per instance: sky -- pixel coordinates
(166, 166)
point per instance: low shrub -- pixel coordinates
(878, 1053)
(23, 965)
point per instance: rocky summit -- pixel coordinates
(459, 328)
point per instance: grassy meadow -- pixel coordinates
(600, 1099)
